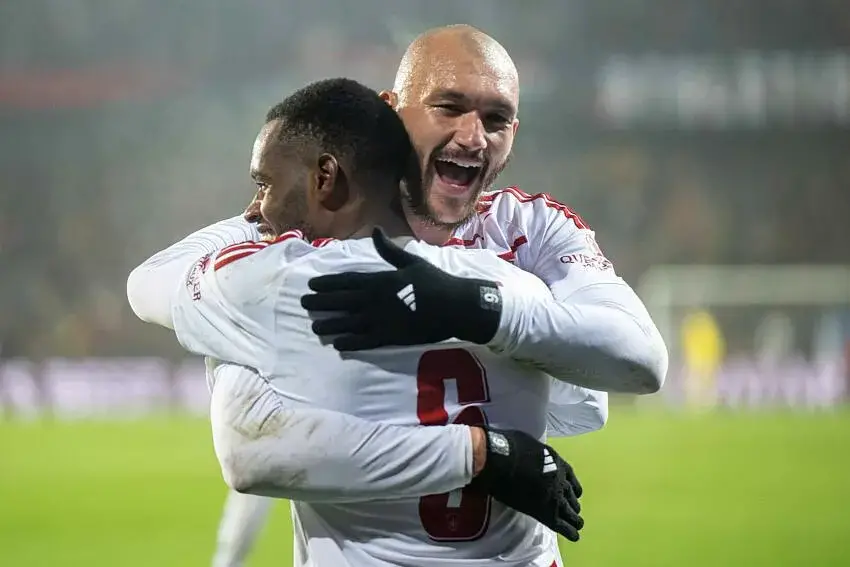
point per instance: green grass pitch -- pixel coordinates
(761, 489)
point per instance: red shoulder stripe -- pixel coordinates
(242, 246)
(319, 242)
(235, 252)
(487, 201)
(223, 261)
(457, 241)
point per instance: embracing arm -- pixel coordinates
(314, 455)
(598, 337)
(594, 330)
(589, 328)
(151, 285)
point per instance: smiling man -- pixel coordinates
(457, 91)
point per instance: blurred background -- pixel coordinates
(706, 142)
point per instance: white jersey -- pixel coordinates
(596, 331)
(242, 305)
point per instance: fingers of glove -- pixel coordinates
(347, 324)
(352, 342)
(351, 281)
(566, 530)
(390, 251)
(570, 497)
(570, 515)
(571, 477)
(348, 300)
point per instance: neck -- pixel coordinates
(393, 222)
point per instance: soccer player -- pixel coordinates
(340, 434)
(457, 92)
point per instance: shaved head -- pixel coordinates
(441, 50)
(457, 91)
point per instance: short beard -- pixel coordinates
(420, 205)
(294, 214)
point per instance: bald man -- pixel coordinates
(457, 91)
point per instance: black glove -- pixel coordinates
(530, 477)
(416, 304)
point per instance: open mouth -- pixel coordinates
(457, 174)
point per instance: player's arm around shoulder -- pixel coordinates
(150, 285)
(222, 304)
(227, 305)
(595, 332)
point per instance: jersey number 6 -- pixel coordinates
(460, 515)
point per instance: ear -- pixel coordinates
(516, 125)
(331, 184)
(390, 98)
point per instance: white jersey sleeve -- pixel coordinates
(574, 410)
(596, 332)
(150, 286)
(318, 455)
(221, 303)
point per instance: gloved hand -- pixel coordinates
(416, 304)
(530, 477)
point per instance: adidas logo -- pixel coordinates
(548, 462)
(407, 296)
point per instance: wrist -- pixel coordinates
(496, 462)
(479, 449)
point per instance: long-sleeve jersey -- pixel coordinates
(345, 429)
